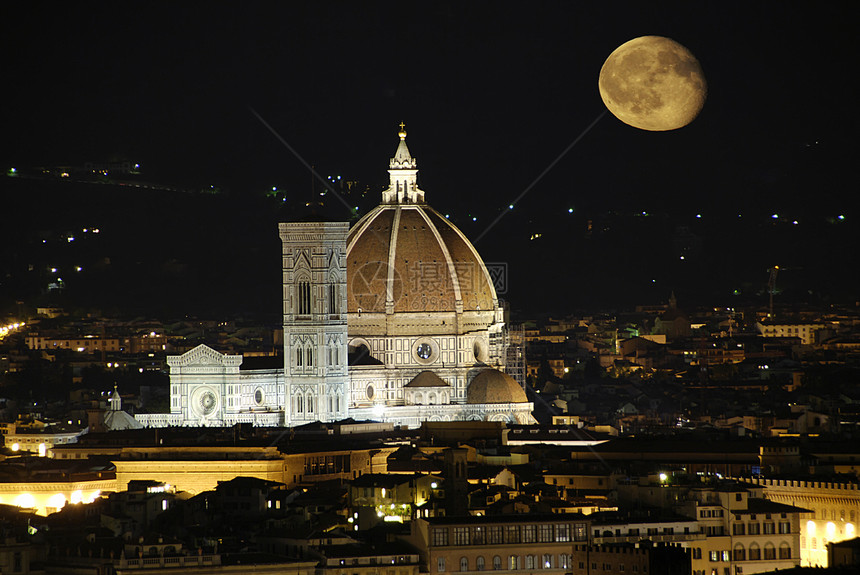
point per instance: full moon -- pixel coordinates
(653, 83)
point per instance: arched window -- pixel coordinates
(479, 563)
(304, 297)
(300, 354)
(309, 356)
(769, 551)
(464, 563)
(755, 552)
(514, 562)
(311, 401)
(530, 561)
(300, 403)
(337, 403)
(547, 561)
(740, 553)
(784, 551)
(497, 562)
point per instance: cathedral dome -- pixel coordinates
(403, 256)
(413, 259)
(493, 386)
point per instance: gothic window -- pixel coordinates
(311, 401)
(299, 357)
(332, 297)
(300, 403)
(464, 563)
(304, 297)
(309, 356)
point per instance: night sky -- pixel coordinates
(491, 94)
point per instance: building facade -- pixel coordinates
(833, 512)
(501, 543)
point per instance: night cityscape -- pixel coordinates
(381, 289)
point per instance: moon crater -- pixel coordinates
(653, 83)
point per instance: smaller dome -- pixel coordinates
(427, 379)
(493, 386)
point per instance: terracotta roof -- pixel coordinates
(493, 386)
(427, 379)
(428, 263)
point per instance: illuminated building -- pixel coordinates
(834, 510)
(738, 529)
(499, 542)
(394, 320)
(38, 439)
(390, 497)
(50, 494)
(805, 332)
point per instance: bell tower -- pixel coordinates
(316, 378)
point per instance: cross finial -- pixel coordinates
(402, 133)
